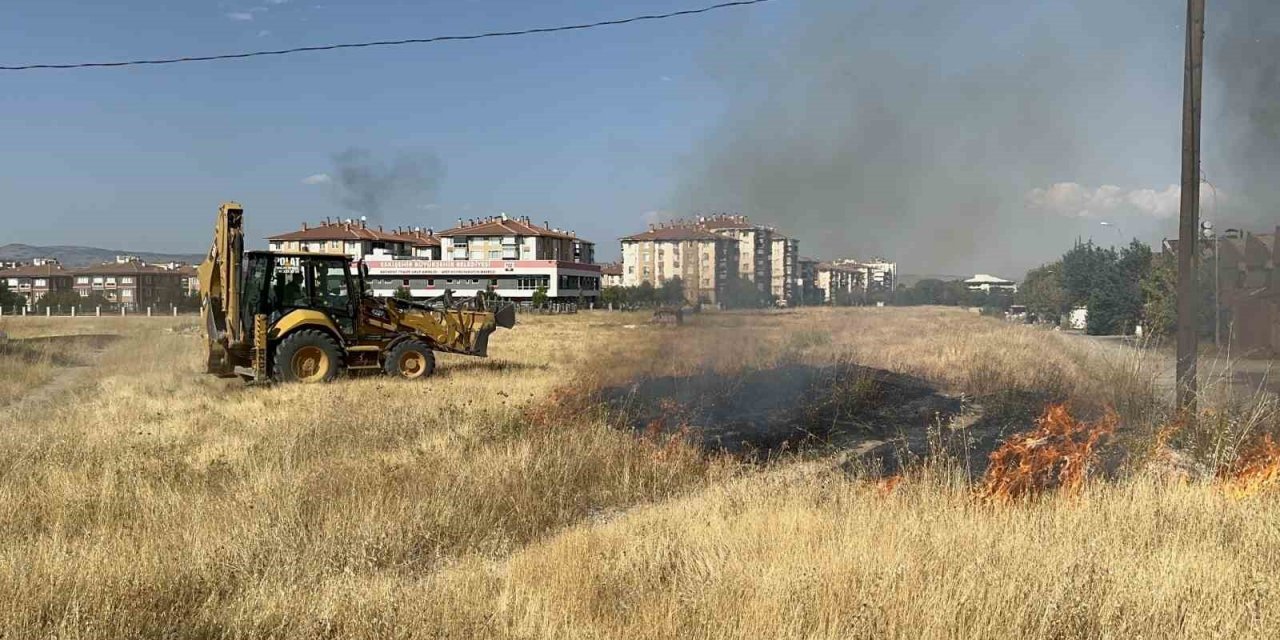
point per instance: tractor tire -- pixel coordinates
(307, 356)
(410, 360)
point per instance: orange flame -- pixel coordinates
(1054, 455)
(888, 484)
(1257, 469)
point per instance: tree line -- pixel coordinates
(1121, 288)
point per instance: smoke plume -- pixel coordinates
(1242, 76)
(900, 128)
(366, 185)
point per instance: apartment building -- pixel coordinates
(611, 275)
(505, 238)
(133, 284)
(705, 262)
(785, 258)
(882, 275)
(353, 238)
(755, 246)
(839, 282)
(421, 244)
(510, 257)
(34, 281)
(810, 292)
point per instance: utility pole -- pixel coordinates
(1189, 217)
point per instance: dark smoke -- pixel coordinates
(1243, 76)
(369, 186)
(900, 129)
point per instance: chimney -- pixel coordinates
(546, 225)
(304, 225)
(651, 226)
(459, 222)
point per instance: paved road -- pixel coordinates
(1214, 370)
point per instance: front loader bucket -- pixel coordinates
(505, 316)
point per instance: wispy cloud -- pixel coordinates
(1074, 200)
(264, 33)
(240, 16)
(318, 178)
(277, 1)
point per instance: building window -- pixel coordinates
(530, 283)
(41, 282)
(82, 280)
(495, 254)
(405, 282)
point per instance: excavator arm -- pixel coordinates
(219, 276)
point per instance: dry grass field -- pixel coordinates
(140, 498)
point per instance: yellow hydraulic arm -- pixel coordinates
(219, 276)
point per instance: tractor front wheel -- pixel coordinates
(411, 360)
(307, 355)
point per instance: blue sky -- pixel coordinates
(594, 131)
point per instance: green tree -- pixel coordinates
(540, 297)
(62, 301)
(1084, 268)
(1042, 292)
(614, 297)
(8, 298)
(402, 293)
(644, 294)
(741, 293)
(672, 292)
(1160, 299)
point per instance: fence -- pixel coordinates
(550, 308)
(68, 311)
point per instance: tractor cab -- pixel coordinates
(277, 284)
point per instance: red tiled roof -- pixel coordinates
(507, 227)
(677, 233)
(611, 269)
(418, 238)
(32, 271)
(126, 269)
(339, 231)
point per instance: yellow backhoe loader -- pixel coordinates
(306, 317)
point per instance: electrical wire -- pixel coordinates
(388, 43)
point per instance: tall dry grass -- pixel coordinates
(149, 500)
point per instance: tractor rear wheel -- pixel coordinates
(411, 360)
(307, 355)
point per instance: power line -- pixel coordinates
(389, 43)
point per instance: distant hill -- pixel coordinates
(85, 256)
